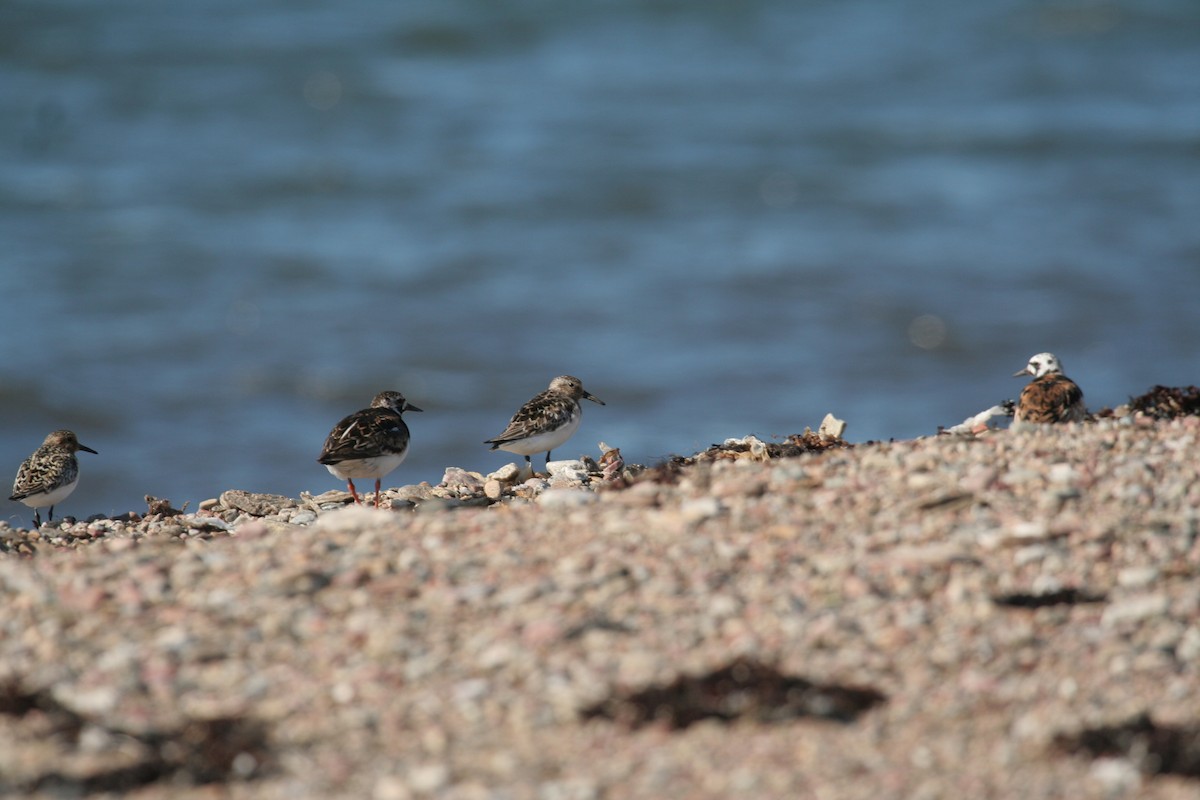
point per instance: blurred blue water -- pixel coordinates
(226, 225)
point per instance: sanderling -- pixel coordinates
(49, 475)
(369, 443)
(1051, 396)
(546, 421)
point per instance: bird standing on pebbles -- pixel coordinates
(546, 421)
(49, 475)
(369, 443)
(1051, 396)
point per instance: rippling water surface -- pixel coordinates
(228, 224)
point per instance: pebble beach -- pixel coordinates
(1009, 614)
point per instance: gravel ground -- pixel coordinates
(1013, 615)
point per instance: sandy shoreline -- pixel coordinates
(946, 617)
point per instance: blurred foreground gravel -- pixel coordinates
(1010, 616)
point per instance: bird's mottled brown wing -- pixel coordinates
(1051, 398)
(365, 434)
(547, 410)
(44, 471)
(23, 485)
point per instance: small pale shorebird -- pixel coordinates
(1051, 396)
(369, 443)
(546, 421)
(49, 475)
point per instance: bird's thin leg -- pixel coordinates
(50, 516)
(37, 518)
(377, 492)
(547, 459)
(353, 493)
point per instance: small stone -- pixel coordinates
(1134, 609)
(1015, 477)
(569, 789)
(573, 470)
(93, 702)
(435, 505)
(391, 787)
(304, 517)
(536, 485)
(461, 479)
(1137, 577)
(207, 523)
(1063, 473)
(641, 495)
(244, 764)
(1117, 777)
(699, 509)
(1030, 554)
(493, 489)
(256, 505)
(428, 778)
(1188, 649)
(209, 504)
(1029, 531)
(832, 426)
(413, 493)
(566, 498)
(506, 474)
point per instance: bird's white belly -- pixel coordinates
(375, 467)
(52, 497)
(543, 442)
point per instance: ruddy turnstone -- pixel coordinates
(49, 475)
(369, 443)
(1051, 396)
(546, 421)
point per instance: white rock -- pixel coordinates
(1134, 609)
(698, 509)
(1028, 531)
(568, 789)
(1118, 777)
(1030, 554)
(566, 498)
(1046, 584)
(1063, 473)
(303, 518)
(573, 470)
(391, 787)
(1188, 648)
(1137, 577)
(832, 426)
(428, 778)
(457, 476)
(506, 474)
(206, 523)
(100, 700)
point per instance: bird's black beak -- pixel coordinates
(410, 407)
(593, 398)
(87, 449)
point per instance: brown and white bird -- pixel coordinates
(546, 421)
(1051, 396)
(49, 475)
(369, 443)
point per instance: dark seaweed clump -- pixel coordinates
(742, 690)
(1156, 749)
(1168, 402)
